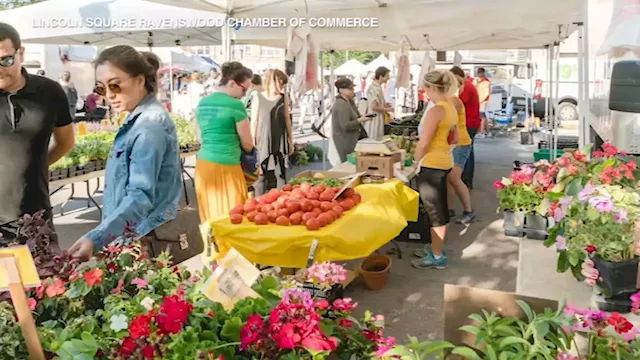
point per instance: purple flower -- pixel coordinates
(602, 205)
(621, 216)
(297, 296)
(560, 242)
(586, 192)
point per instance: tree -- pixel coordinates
(340, 57)
(12, 4)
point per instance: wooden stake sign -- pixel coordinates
(17, 270)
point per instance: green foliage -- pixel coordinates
(186, 131)
(302, 157)
(340, 57)
(12, 4)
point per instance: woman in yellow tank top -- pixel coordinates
(434, 151)
(461, 154)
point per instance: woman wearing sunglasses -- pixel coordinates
(225, 132)
(143, 176)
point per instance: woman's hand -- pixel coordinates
(82, 250)
(292, 148)
(590, 272)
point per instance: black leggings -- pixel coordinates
(432, 185)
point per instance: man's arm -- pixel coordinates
(63, 132)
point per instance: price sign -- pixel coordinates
(230, 282)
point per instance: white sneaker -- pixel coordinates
(480, 136)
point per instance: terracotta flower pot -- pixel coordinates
(375, 271)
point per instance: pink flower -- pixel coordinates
(32, 304)
(498, 185)
(140, 283)
(635, 301)
(344, 305)
(93, 277)
(118, 289)
(55, 289)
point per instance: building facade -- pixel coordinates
(257, 58)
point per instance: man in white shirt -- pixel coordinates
(390, 92)
(213, 81)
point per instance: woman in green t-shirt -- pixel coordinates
(225, 132)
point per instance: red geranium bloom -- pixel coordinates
(113, 267)
(346, 323)
(128, 346)
(93, 277)
(173, 314)
(139, 326)
(148, 352)
(344, 305)
(287, 337)
(251, 331)
(40, 291)
(56, 289)
(319, 342)
(498, 185)
(321, 304)
(32, 304)
(591, 249)
(619, 323)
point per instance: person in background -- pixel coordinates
(390, 92)
(377, 104)
(70, 91)
(40, 73)
(195, 90)
(271, 124)
(346, 122)
(462, 152)
(469, 96)
(367, 83)
(34, 111)
(409, 98)
(421, 99)
(358, 89)
(213, 81)
(308, 105)
(483, 86)
(226, 132)
(433, 153)
(256, 88)
(143, 180)
(95, 106)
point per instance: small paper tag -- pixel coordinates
(230, 282)
(184, 242)
(312, 252)
(414, 236)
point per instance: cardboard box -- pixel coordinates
(329, 175)
(376, 165)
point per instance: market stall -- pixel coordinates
(380, 217)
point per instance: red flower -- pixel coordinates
(498, 185)
(609, 149)
(251, 331)
(93, 277)
(40, 291)
(344, 305)
(173, 314)
(591, 249)
(210, 313)
(552, 208)
(128, 346)
(148, 352)
(287, 337)
(113, 267)
(346, 323)
(55, 289)
(139, 326)
(619, 323)
(321, 304)
(319, 342)
(580, 156)
(32, 304)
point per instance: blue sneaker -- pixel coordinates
(427, 249)
(430, 262)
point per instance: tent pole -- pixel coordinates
(549, 95)
(581, 98)
(321, 111)
(171, 82)
(582, 111)
(556, 94)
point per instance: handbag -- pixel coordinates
(179, 237)
(249, 164)
(363, 133)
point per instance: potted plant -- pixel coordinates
(599, 223)
(517, 197)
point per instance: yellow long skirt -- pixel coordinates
(219, 188)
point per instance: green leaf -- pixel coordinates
(270, 283)
(437, 346)
(470, 329)
(527, 310)
(231, 329)
(542, 328)
(513, 340)
(574, 187)
(563, 262)
(574, 258)
(467, 353)
(593, 214)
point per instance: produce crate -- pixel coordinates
(77, 170)
(336, 291)
(546, 154)
(58, 174)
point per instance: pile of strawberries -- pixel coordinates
(313, 207)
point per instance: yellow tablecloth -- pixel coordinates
(380, 217)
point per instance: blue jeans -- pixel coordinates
(469, 167)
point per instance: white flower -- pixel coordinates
(119, 323)
(147, 303)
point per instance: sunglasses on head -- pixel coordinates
(8, 60)
(114, 88)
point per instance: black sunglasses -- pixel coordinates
(8, 60)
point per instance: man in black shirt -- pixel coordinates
(32, 108)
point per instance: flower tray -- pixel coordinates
(58, 174)
(617, 278)
(77, 170)
(536, 226)
(513, 223)
(620, 303)
(336, 292)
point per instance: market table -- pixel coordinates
(379, 218)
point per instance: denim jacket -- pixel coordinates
(143, 177)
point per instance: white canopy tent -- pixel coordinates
(113, 22)
(378, 62)
(183, 60)
(351, 67)
(441, 25)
